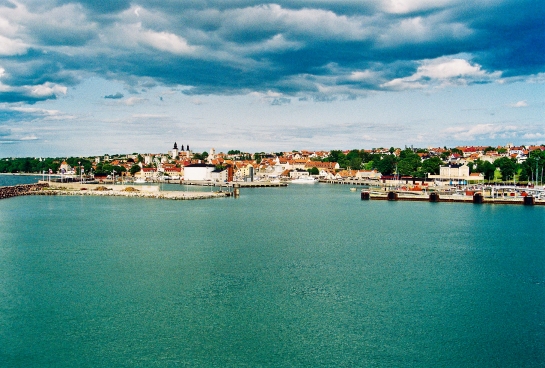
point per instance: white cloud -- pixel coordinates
(481, 131)
(443, 71)
(274, 44)
(519, 104)
(31, 137)
(534, 136)
(362, 75)
(165, 41)
(408, 6)
(316, 22)
(35, 110)
(9, 47)
(131, 101)
(47, 89)
(444, 68)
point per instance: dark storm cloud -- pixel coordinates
(319, 48)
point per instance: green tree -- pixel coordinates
(457, 150)
(200, 156)
(135, 169)
(408, 163)
(314, 171)
(432, 165)
(507, 167)
(339, 157)
(533, 166)
(486, 168)
(386, 165)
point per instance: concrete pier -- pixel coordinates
(477, 198)
(241, 184)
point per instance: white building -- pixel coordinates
(453, 174)
(198, 172)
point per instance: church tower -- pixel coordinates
(174, 152)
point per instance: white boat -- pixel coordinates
(140, 181)
(305, 180)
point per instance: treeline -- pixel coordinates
(409, 163)
(39, 166)
(29, 165)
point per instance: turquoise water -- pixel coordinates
(297, 276)
(9, 179)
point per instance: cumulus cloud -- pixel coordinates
(9, 47)
(481, 131)
(534, 136)
(165, 41)
(288, 47)
(443, 71)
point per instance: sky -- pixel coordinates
(94, 77)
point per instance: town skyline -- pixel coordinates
(234, 151)
(83, 77)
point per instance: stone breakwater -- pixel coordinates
(45, 189)
(22, 189)
(156, 195)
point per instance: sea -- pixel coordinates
(301, 276)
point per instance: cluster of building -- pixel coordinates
(182, 164)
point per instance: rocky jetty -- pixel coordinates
(46, 189)
(22, 189)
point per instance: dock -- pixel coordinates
(242, 184)
(476, 198)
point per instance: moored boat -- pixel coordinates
(305, 180)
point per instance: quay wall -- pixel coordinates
(397, 196)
